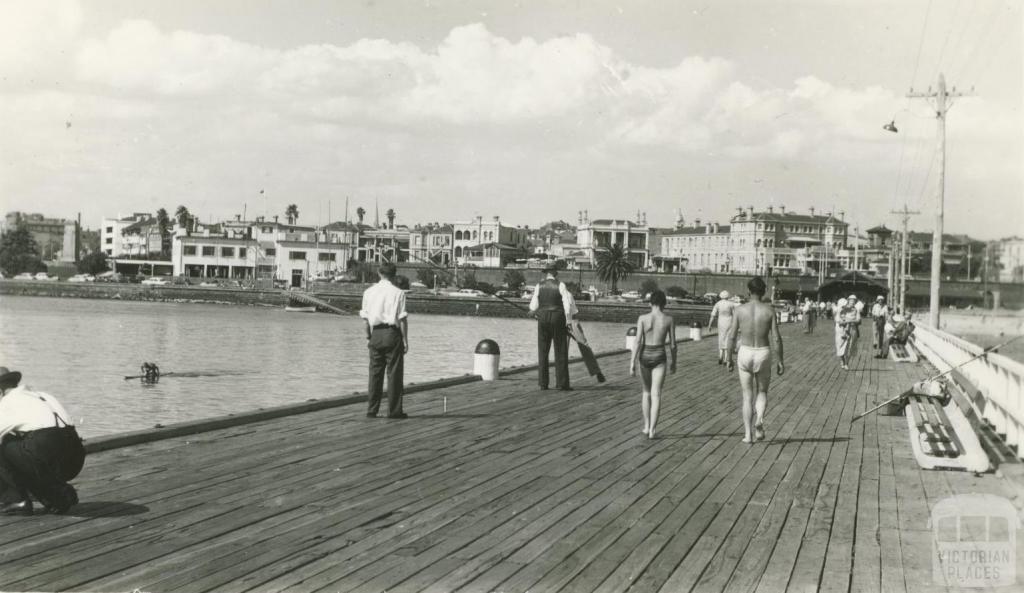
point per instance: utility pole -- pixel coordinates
(904, 260)
(856, 248)
(942, 106)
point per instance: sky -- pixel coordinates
(531, 111)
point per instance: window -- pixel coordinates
(209, 250)
(242, 251)
(297, 255)
(271, 252)
(227, 252)
(110, 229)
(325, 256)
(110, 240)
(189, 250)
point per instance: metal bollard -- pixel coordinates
(631, 338)
(485, 360)
(695, 331)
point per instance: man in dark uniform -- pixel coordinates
(552, 305)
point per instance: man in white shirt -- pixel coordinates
(387, 335)
(39, 450)
(552, 304)
(880, 313)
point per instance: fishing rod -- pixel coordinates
(984, 353)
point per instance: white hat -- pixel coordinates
(724, 294)
(879, 298)
(852, 297)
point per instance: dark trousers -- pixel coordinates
(551, 329)
(880, 334)
(387, 354)
(808, 322)
(40, 463)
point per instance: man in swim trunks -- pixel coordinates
(756, 326)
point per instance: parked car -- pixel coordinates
(156, 281)
(82, 278)
(46, 277)
(25, 276)
(209, 283)
(507, 294)
(631, 295)
(468, 292)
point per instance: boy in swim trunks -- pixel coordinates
(756, 326)
(653, 331)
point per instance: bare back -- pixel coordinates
(657, 327)
(754, 322)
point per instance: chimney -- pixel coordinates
(842, 214)
(275, 218)
(645, 219)
(782, 209)
(579, 217)
(771, 209)
(750, 212)
(696, 223)
(707, 228)
(586, 216)
(238, 218)
(714, 227)
(812, 210)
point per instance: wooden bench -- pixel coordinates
(942, 434)
(971, 401)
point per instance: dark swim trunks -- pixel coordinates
(651, 357)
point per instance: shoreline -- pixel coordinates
(417, 303)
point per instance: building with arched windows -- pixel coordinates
(488, 244)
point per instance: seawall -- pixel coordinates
(349, 300)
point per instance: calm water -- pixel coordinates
(244, 358)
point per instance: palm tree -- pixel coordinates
(360, 212)
(614, 265)
(292, 213)
(391, 218)
(163, 224)
(184, 217)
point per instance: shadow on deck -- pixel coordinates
(518, 489)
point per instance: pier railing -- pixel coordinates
(999, 379)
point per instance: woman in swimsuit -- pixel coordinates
(653, 330)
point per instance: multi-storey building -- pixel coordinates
(265, 249)
(379, 245)
(57, 238)
(762, 242)
(113, 242)
(433, 243)
(594, 236)
(1010, 254)
(489, 243)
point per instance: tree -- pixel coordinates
(184, 218)
(614, 265)
(94, 263)
(391, 218)
(677, 292)
(19, 252)
(426, 276)
(468, 279)
(360, 212)
(163, 224)
(514, 279)
(292, 213)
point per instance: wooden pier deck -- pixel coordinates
(517, 489)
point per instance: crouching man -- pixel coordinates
(39, 450)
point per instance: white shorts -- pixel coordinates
(756, 361)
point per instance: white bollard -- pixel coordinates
(695, 333)
(485, 360)
(631, 338)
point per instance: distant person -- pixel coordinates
(810, 311)
(387, 334)
(847, 319)
(552, 305)
(757, 327)
(40, 450)
(880, 315)
(652, 330)
(722, 311)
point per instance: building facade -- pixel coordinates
(594, 236)
(488, 243)
(113, 242)
(776, 242)
(433, 243)
(57, 238)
